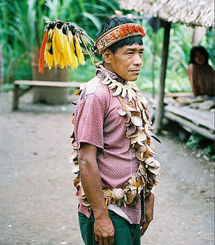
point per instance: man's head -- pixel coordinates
(124, 55)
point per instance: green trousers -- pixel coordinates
(125, 233)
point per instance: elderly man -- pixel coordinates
(112, 138)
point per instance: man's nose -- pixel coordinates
(137, 60)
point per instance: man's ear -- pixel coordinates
(107, 56)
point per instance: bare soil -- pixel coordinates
(38, 203)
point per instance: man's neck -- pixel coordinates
(108, 67)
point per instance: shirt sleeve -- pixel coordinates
(89, 121)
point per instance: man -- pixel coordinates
(112, 138)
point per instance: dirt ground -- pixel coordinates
(38, 204)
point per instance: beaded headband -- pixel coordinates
(118, 33)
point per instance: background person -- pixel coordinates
(200, 73)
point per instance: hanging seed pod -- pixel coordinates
(155, 171)
(130, 107)
(140, 152)
(136, 121)
(153, 146)
(106, 81)
(131, 129)
(59, 24)
(117, 194)
(76, 181)
(73, 155)
(134, 134)
(124, 91)
(118, 90)
(129, 197)
(64, 30)
(72, 29)
(75, 169)
(51, 25)
(131, 94)
(112, 85)
(121, 111)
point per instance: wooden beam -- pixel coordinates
(198, 117)
(189, 126)
(17, 93)
(48, 83)
(160, 107)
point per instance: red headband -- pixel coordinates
(118, 33)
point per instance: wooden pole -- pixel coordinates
(15, 97)
(160, 106)
(153, 64)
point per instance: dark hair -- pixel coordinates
(116, 21)
(201, 50)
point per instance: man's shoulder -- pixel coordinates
(95, 86)
(91, 86)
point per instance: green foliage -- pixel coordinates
(21, 31)
(194, 141)
(82, 74)
(180, 45)
(199, 142)
(208, 42)
(7, 87)
(22, 24)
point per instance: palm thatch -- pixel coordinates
(189, 12)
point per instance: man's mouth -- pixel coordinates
(135, 71)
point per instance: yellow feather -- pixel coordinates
(57, 44)
(72, 51)
(79, 52)
(49, 60)
(65, 50)
(54, 52)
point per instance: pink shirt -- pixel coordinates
(98, 123)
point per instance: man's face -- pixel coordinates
(126, 62)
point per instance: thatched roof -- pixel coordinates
(190, 12)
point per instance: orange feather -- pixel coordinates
(42, 50)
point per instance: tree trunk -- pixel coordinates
(160, 106)
(47, 94)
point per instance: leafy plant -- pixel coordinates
(22, 24)
(194, 141)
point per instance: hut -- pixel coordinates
(189, 12)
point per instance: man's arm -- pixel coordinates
(149, 212)
(91, 182)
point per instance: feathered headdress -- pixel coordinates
(61, 45)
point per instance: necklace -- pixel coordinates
(138, 129)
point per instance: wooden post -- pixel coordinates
(15, 97)
(160, 106)
(153, 63)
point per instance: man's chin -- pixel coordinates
(133, 78)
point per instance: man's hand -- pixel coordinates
(104, 231)
(149, 211)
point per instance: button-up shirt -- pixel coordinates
(98, 123)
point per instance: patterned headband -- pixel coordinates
(118, 33)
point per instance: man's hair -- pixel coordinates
(116, 21)
(201, 50)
